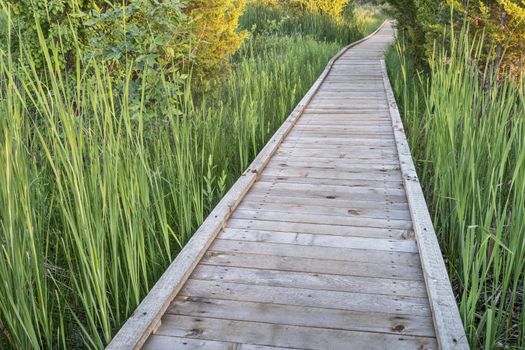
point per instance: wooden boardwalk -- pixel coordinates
(324, 243)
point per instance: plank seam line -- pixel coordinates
(147, 316)
(449, 329)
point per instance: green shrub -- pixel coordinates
(216, 34)
(420, 22)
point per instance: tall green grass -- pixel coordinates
(280, 21)
(262, 20)
(96, 199)
(468, 139)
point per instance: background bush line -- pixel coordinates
(501, 22)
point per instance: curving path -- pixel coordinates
(324, 243)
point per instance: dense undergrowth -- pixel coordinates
(466, 130)
(100, 186)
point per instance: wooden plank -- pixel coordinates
(287, 336)
(295, 250)
(355, 134)
(309, 191)
(308, 239)
(333, 174)
(312, 281)
(346, 121)
(449, 328)
(283, 205)
(328, 266)
(306, 297)
(348, 183)
(347, 131)
(316, 228)
(341, 141)
(294, 146)
(394, 194)
(161, 342)
(374, 164)
(331, 220)
(344, 155)
(366, 208)
(302, 316)
(289, 146)
(353, 140)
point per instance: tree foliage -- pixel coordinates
(169, 34)
(501, 21)
(332, 8)
(215, 32)
(419, 21)
(503, 24)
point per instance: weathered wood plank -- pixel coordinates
(332, 220)
(319, 266)
(333, 174)
(295, 250)
(316, 228)
(313, 281)
(161, 342)
(306, 297)
(392, 193)
(290, 336)
(317, 240)
(302, 316)
(285, 205)
(348, 183)
(350, 194)
(353, 205)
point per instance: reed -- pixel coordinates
(466, 130)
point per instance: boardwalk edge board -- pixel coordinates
(447, 321)
(147, 316)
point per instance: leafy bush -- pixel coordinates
(331, 8)
(419, 21)
(137, 39)
(59, 20)
(178, 36)
(503, 25)
(216, 34)
(501, 22)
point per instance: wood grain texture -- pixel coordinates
(295, 337)
(301, 316)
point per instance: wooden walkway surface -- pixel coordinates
(324, 243)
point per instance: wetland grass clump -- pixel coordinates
(97, 197)
(466, 129)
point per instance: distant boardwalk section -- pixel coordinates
(324, 243)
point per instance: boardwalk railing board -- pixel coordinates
(447, 321)
(147, 316)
